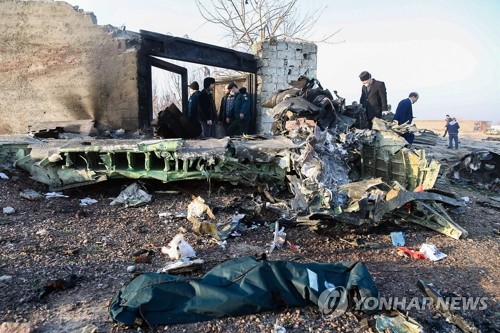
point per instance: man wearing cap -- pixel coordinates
(207, 113)
(240, 115)
(193, 103)
(373, 97)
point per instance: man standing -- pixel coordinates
(240, 116)
(226, 104)
(404, 114)
(373, 97)
(194, 87)
(453, 127)
(206, 106)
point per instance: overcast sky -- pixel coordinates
(447, 50)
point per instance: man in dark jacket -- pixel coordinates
(373, 97)
(240, 115)
(404, 114)
(193, 103)
(226, 104)
(207, 113)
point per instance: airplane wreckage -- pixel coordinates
(335, 168)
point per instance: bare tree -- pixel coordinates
(249, 21)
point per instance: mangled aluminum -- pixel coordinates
(481, 167)
(319, 146)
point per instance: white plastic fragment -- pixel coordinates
(8, 210)
(131, 269)
(55, 195)
(432, 252)
(87, 201)
(279, 237)
(3, 176)
(5, 278)
(178, 248)
(132, 196)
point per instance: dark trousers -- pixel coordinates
(207, 131)
(453, 137)
(238, 127)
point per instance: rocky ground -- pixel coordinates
(53, 238)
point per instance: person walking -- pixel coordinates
(404, 114)
(240, 115)
(207, 113)
(373, 97)
(452, 128)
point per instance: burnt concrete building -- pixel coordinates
(58, 65)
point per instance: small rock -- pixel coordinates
(5, 278)
(8, 210)
(88, 329)
(16, 328)
(131, 269)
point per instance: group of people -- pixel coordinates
(233, 115)
(374, 100)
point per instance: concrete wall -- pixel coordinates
(281, 62)
(56, 64)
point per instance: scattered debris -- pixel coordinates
(54, 285)
(5, 278)
(279, 237)
(8, 210)
(197, 210)
(444, 307)
(431, 252)
(396, 322)
(178, 248)
(426, 137)
(31, 195)
(143, 256)
(55, 195)
(182, 266)
(481, 167)
(87, 201)
(398, 238)
(132, 196)
(404, 251)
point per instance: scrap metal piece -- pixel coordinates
(405, 196)
(433, 216)
(443, 307)
(397, 323)
(480, 166)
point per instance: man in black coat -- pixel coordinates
(373, 96)
(207, 114)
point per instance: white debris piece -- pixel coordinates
(5, 278)
(132, 196)
(3, 176)
(279, 237)
(178, 248)
(8, 210)
(55, 195)
(432, 252)
(87, 201)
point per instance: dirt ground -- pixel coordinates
(53, 238)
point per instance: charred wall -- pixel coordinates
(57, 64)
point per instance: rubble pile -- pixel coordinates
(319, 146)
